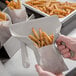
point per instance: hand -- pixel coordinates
(70, 45)
(41, 72)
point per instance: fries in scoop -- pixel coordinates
(49, 41)
(35, 33)
(34, 39)
(41, 39)
(52, 37)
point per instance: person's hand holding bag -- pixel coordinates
(41, 72)
(70, 44)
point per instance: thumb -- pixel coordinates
(38, 69)
(63, 38)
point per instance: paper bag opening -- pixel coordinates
(18, 15)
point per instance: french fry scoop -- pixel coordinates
(46, 55)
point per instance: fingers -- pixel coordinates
(38, 69)
(67, 55)
(64, 51)
(74, 58)
(61, 47)
(60, 74)
(41, 72)
(62, 38)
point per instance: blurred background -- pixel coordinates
(2, 4)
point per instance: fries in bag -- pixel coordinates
(17, 11)
(47, 56)
(5, 21)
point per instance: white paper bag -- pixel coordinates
(50, 25)
(4, 30)
(51, 60)
(18, 15)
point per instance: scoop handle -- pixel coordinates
(24, 54)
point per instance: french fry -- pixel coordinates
(55, 6)
(41, 37)
(51, 7)
(48, 4)
(60, 11)
(40, 32)
(1, 20)
(38, 2)
(60, 16)
(35, 33)
(51, 13)
(28, 2)
(14, 5)
(55, 2)
(46, 42)
(73, 4)
(68, 11)
(3, 16)
(47, 37)
(39, 44)
(10, 4)
(68, 7)
(19, 4)
(52, 37)
(34, 39)
(42, 43)
(12, 8)
(7, 2)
